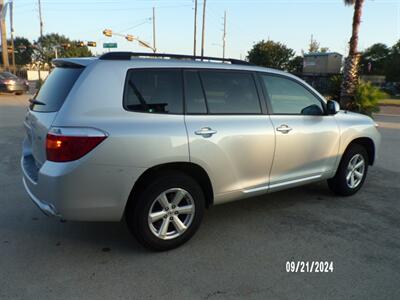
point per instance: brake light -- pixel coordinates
(68, 144)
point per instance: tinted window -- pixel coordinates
(56, 88)
(195, 102)
(154, 91)
(289, 97)
(230, 92)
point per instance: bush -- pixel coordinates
(334, 85)
(366, 98)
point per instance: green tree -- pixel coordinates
(48, 44)
(393, 63)
(374, 59)
(295, 65)
(271, 54)
(313, 46)
(350, 73)
(23, 51)
(334, 85)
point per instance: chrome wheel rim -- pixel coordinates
(355, 171)
(171, 213)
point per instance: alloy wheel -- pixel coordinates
(171, 213)
(355, 171)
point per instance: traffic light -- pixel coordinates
(107, 32)
(129, 37)
(91, 44)
(80, 44)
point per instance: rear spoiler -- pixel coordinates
(73, 62)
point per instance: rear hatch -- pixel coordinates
(44, 108)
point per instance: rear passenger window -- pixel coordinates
(154, 91)
(230, 92)
(194, 96)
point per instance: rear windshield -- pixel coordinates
(55, 89)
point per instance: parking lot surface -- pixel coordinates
(240, 251)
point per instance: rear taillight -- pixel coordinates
(68, 144)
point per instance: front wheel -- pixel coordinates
(167, 212)
(351, 173)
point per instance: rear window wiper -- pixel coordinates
(37, 102)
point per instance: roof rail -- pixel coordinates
(120, 55)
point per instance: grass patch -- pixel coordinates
(392, 101)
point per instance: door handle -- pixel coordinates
(205, 132)
(284, 128)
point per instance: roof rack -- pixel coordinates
(120, 55)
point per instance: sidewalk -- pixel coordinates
(389, 110)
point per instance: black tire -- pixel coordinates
(338, 184)
(139, 206)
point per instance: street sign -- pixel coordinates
(110, 45)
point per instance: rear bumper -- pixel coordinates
(79, 190)
(47, 208)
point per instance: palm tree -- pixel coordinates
(350, 73)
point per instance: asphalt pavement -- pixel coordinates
(239, 252)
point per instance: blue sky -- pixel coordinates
(289, 21)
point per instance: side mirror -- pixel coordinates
(332, 107)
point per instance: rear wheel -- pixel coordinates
(351, 173)
(167, 212)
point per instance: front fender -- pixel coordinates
(353, 126)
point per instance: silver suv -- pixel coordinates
(158, 138)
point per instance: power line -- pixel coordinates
(137, 25)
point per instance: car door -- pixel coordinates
(307, 139)
(230, 135)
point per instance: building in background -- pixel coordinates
(322, 63)
(319, 68)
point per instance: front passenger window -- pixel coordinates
(289, 97)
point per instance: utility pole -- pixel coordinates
(41, 32)
(224, 37)
(195, 28)
(12, 35)
(154, 30)
(3, 37)
(204, 28)
(40, 17)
